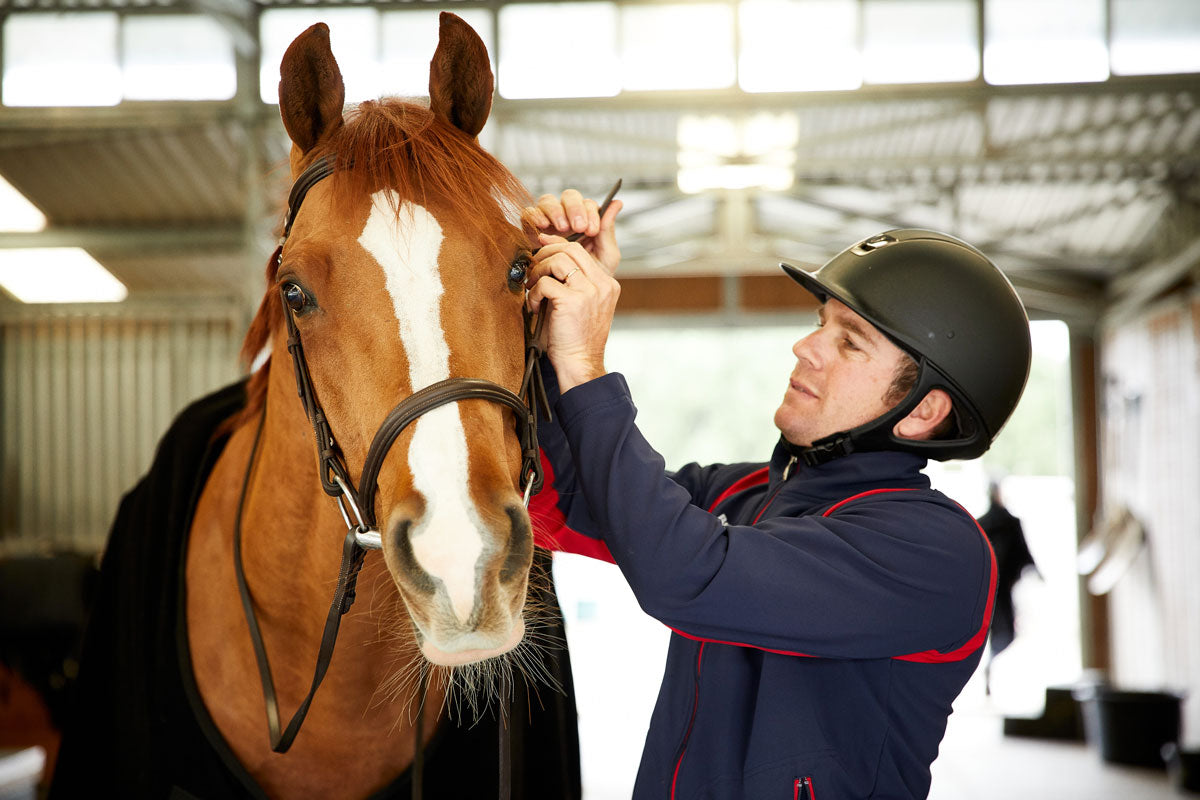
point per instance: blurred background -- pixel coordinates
(143, 174)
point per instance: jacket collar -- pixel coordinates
(846, 476)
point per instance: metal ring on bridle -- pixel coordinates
(367, 537)
(529, 486)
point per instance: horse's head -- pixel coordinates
(402, 269)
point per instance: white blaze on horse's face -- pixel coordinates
(449, 539)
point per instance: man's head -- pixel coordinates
(847, 374)
(924, 347)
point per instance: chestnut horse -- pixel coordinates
(402, 268)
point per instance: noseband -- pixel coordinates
(362, 532)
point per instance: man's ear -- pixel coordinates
(923, 420)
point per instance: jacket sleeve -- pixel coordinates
(882, 577)
(559, 516)
(562, 519)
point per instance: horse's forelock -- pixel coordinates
(399, 145)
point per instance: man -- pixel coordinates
(1007, 538)
(827, 606)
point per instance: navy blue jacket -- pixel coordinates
(823, 622)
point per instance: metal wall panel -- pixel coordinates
(1151, 435)
(84, 398)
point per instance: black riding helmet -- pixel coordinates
(951, 309)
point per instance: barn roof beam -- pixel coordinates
(126, 239)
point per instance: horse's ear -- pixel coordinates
(460, 77)
(311, 92)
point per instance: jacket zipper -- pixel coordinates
(692, 721)
(787, 470)
(802, 789)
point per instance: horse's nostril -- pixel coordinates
(516, 561)
(402, 547)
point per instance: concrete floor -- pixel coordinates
(977, 762)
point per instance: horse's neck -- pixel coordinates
(292, 536)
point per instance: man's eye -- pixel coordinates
(849, 344)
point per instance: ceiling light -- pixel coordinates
(57, 275)
(754, 152)
(16, 212)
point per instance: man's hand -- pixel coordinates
(576, 280)
(573, 213)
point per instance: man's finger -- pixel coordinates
(572, 204)
(553, 209)
(604, 245)
(536, 217)
(547, 288)
(593, 217)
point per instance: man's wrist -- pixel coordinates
(571, 375)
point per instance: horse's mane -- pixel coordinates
(406, 147)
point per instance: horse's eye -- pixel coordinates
(295, 298)
(517, 272)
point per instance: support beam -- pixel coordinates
(130, 240)
(238, 18)
(1093, 610)
(1131, 291)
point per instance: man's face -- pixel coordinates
(842, 374)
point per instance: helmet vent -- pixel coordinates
(874, 243)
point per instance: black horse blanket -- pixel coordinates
(138, 727)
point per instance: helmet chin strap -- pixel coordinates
(877, 435)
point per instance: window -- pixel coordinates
(177, 57)
(1044, 41)
(409, 39)
(353, 35)
(677, 46)
(922, 41)
(537, 40)
(1155, 36)
(61, 60)
(798, 45)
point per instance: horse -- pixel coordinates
(401, 275)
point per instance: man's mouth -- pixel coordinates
(801, 388)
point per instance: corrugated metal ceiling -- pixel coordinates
(1074, 185)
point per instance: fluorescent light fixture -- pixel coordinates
(16, 212)
(58, 275)
(705, 177)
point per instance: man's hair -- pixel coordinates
(903, 380)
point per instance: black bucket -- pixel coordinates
(1131, 727)
(1184, 768)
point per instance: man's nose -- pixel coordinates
(808, 349)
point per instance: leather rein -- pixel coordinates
(362, 533)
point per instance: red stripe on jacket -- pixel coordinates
(550, 529)
(756, 478)
(925, 657)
